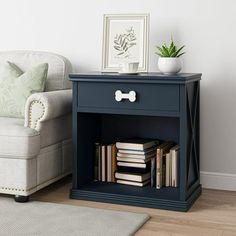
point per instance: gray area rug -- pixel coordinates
(49, 219)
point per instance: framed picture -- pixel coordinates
(125, 39)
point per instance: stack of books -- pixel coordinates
(166, 163)
(105, 162)
(138, 162)
(134, 161)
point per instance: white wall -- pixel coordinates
(73, 28)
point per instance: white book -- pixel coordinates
(119, 181)
(145, 156)
(127, 164)
(174, 156)
(135, 160)
(139, 152)
(133, 177)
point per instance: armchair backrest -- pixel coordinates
(58, 70)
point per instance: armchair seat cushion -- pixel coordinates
(17, 141)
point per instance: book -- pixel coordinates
(99, 163)
(133, 168)
(162, 149)
(103, 158)
(133, 177)
(132, 164)
(139, 184)
(163, 170)
(109, 162)
(136, 144)
(113, 162)
(174, 165)
(96, 161)
(168, 170)
(139, 152)
(135, 160)
(153, 172)
(137, 156)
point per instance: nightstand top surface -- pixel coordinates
(151, 77)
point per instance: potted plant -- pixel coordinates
(169, 61)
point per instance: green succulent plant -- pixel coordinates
(169, 51)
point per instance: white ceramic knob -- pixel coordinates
(119, 96)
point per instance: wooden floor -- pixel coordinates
(214, 213)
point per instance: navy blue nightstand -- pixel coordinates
(161, 107)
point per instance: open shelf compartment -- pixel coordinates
(107, 128)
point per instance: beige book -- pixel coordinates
(127, 164)
(161, 151)
(137, 156)
(109, 162)
(174, 166)
(168, 170)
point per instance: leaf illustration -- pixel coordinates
(123, 42)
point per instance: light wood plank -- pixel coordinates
(214, 214)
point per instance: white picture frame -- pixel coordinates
(125, 39)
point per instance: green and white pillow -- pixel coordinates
(16, 86)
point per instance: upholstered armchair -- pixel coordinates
(36, 151)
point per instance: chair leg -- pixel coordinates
(20, 198)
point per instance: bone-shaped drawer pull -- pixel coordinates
(131, 96)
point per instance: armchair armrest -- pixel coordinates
(45, 106)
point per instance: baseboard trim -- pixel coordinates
(220, 181)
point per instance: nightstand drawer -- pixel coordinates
(145, 97)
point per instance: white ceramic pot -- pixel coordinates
(169, 65)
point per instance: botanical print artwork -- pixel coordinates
(123, 43)
(125, 39)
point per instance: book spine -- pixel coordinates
(109, 163)
(103, 163)
(114, 163)
(163, 170)
(153, 172)
(96, 161)
(170, 169)
(167, 179)
(174, 169)
(159, 169)
(99, 163)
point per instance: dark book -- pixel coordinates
(137, 144)
(162, 149)
(133, 170)
(96, 161)
(153, 172)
